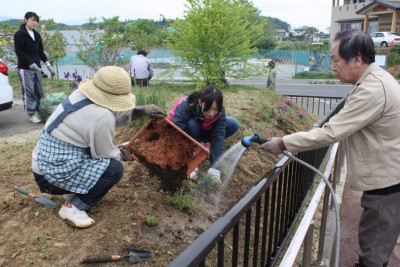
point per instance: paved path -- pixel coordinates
(350, 213)
(15, 121)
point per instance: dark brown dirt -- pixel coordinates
(33, 235)
(167, 152)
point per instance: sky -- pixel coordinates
(312, 13)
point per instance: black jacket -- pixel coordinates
(182, 116)
(27, 50)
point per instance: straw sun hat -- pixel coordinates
(110, 88)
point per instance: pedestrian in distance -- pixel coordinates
(368, 132)
(75, 155)
(141, 70)
(202, 115)
(29, 49)
(271, 75)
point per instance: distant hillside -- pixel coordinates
(279, 24)
(12, 22)
(18, 22)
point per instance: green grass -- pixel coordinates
(183, 201)
(314, 75)
(161, 94)
(151, 221)
(156, 90)
(267, 114)
(209, 183)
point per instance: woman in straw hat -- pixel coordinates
(75, 155)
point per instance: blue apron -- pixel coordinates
(65, 165)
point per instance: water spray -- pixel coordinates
(255, 138)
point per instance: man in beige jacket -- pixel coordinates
(368, 131)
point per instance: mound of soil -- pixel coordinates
(167, 152)
(33, 235)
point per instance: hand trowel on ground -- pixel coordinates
(133, 256)
(41, 199)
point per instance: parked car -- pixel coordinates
(385, 39)
(6, 91)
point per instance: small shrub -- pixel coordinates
(280, 118)
(314, 75)
(191, 185)
(393, 56)
(209, 183)
(267, 114)
(151, 220)
(183, 201)
(46, 255)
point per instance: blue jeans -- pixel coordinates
(194, 129)
(111, 176)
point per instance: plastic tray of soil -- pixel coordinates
(167, 151)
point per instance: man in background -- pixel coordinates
(141, 71)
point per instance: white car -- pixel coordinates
(385, 39)
(6, 91)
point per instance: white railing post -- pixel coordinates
(308, 242)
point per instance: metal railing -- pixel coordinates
(319, 105)
(255, 230)
(305, 231)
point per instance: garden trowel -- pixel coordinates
(133, 256)
(41, 199)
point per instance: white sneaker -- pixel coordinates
(35, 118)
(74, 216)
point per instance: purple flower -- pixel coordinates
(73, 85)
(77, 78)
(284, 107)
(74, 74)
(290, 101)
(302, 113)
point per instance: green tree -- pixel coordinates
(54, 43)
(268, 41)
(55, 48)
(216, 39)
(100, 43)
(143, 34)
(310, 33)
(7, 51)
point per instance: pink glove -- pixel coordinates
(274, 146)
